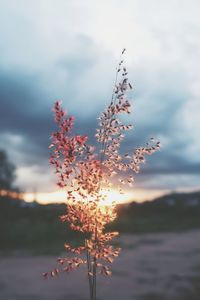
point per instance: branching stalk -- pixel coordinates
(85, 173)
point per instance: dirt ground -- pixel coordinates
(150, 267)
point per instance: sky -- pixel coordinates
(68, 50)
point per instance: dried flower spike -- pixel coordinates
(86, 173)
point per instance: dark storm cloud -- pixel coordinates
(42, 63)
(26, 111)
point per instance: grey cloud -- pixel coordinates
(26, 111)
(83, 78)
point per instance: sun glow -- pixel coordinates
(60, 197)
(114, 195)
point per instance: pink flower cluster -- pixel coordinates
(85, 173)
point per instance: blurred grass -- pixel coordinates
(37, 228)
(157, 216)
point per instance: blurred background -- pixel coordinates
(68, 50)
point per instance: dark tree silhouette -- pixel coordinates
(7, 172)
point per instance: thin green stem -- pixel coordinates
(94, 279)
(89, 275)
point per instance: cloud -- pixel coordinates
(64, 51)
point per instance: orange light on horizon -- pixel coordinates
(110, 196)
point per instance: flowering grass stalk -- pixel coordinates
(86, 173)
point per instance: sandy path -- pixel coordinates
(151, 266)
